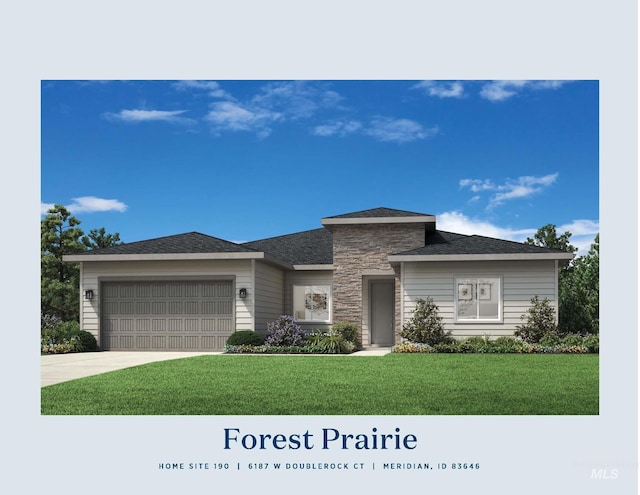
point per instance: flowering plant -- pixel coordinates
(285, 332)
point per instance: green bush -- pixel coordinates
(540, 320)
(448, 347)
(348, 330)
(572, 340)
(426, 325)
(550, 339)
(475, 344)
(508, 344)
(61, 332)
(333, 343)
(245, 337)
(65, 337)
(87, 341)
(592, 342)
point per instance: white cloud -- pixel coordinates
(212, 88)
(454, 221)
(88, 204)
(386, 129)
(522, 187)
(339, 128)
(295, 99)
(583, 232)
(91, 204)
(171, 116)
(389, 129)
(581, 227)
(477, 185)
(226, 115)
(275, 102)
(503, 90)
(45, 207)
(441, 89)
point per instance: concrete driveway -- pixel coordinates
(57, 368)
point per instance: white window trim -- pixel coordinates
(329, 302)
(470, 321)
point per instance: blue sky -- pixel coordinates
(245, 160)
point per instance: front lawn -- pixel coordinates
(396, 384)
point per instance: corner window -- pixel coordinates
(478, 299)
(312, 303)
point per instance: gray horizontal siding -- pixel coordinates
(269, 289)
(521, 280)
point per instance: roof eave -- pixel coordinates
(399, 258)
(75, 258)
(318, 267)
(378, 220)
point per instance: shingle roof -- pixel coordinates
(380, 213)
(450, 243)
(315, 247)
(192, 242)
(312, 247)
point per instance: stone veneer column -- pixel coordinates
(365, 247)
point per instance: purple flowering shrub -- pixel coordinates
(285, 332)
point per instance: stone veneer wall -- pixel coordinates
(358, 248)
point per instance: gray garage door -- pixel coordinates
(171, 316)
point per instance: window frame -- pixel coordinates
(326, 286)
(476, 280)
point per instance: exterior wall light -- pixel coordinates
(88, 294)
(243, 293)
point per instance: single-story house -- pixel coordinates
(191, 291)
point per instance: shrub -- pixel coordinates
(550, 339)
(508, 344)
(60, 338)
(572, 339)
(61, 332)
(87, 341)
(540, 320)
(475, 344)
(425, 326)
(285, 332)
(592, 343)
(348, 330)
(66, 337)
(333, 343)
(245, 337)
(446, 347)
(49, 322)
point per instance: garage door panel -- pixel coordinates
(127, 308)
(225, 325)
(159, 308)
(167, 315)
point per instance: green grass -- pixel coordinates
(396, 384)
